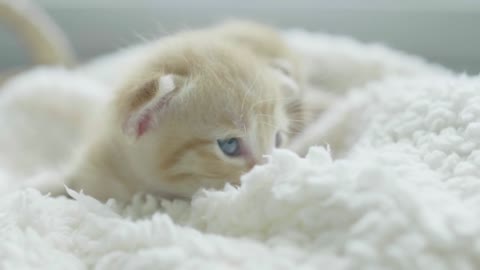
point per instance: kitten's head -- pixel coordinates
(201, 115)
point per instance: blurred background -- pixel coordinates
(446, 32)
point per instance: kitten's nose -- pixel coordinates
(252, 161)
(262, 160)
(256, 154)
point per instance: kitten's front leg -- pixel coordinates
(47, 182)
(317, 102)
(336, 128)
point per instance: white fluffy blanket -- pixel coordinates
(406, 195)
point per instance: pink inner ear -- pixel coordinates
(141, 121)
(143, 124)
(138, 123)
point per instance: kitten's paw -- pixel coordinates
(48, 182)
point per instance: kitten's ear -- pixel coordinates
(148, 102)
(284, 70)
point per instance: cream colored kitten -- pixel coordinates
(199, 113)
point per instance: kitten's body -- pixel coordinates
(160, 133)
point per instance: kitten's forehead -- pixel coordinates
(242, 99)
(228, 90)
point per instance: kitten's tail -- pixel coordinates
(44, 39)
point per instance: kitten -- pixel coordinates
(199, 113)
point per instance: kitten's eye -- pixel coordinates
(278, 139)
(230, 146)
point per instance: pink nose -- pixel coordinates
(252, 159)
(251, 162)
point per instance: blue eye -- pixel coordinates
(230, 146)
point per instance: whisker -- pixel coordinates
(296, 120)
(142, 37)
(249, 90)
(267, 124)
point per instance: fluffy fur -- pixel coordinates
(267, 43)
(271, 47)
(39, 131)
(404, 197)
(264, 41)
(160, 133)
(332, 68)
